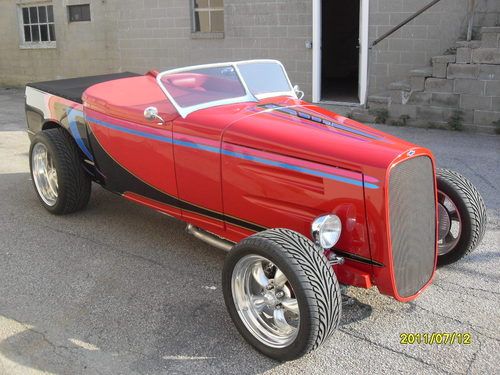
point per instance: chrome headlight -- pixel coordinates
(325, 230)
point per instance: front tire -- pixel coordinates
(462, 216)
(57, 173)
(281, 293)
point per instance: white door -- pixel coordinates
(317, 51)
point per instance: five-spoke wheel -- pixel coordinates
(450, 224)
(56, 169)
(281, 293)
(44, 174)
(265, 301)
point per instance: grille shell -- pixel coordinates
(412, 214)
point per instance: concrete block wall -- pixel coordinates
(468, 82)
(487, 14)
(157, 33)
(83, 48)
(416, 43)
(141, 34)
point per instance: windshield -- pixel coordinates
(194, 88)
(263, 78)
(205, 85)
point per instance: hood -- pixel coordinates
(295, 128)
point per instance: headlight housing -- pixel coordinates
(325, 230)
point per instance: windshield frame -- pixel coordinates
(248, 97)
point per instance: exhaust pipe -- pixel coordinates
(209, 238)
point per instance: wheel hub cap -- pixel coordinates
(270, 299)
(265, 301)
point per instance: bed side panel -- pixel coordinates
(43, 108)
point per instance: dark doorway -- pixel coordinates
(340, 50)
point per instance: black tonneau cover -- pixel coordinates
(73, 88)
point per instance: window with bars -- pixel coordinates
(208, 16)
(38, 24)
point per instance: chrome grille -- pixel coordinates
(412, 214)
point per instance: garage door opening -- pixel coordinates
(340, 51)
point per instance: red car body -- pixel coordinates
(237, 169)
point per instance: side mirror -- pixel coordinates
(151, 113)
(298, 92)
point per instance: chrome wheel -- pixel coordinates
(449, 224)
(44, 174)
(265, 301)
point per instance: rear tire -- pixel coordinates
(59, 179)
(463, 205)
(307, 298)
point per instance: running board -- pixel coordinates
(209, 238)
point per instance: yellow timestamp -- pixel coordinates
(436, 338)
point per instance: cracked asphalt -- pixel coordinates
(120, 289)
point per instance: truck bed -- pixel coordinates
(73, 88)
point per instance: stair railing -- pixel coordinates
(389, 33)
(402, 23)
(471, 6)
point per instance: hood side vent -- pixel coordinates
(316, 119)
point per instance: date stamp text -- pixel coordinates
(435, 338)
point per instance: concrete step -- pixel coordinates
(362, 115)
(381, 98)
(421, 72)
(464, 55)
(444, 59)
(486, 117)
(442, 85)
(468, 71)
(379, 101)
(490, 29)
(490, 37)
(486, 56)
(417, 83)
(440, 65)
(469, 44)
(400, 86)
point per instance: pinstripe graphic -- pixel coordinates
(152, 193)
(71, 114)
(314, 169)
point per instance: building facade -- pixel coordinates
(324, 44)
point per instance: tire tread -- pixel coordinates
(316, 277)
(474, 205)
(74, 182)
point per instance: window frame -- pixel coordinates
(69, 6)
(208, 9)
(39, 44)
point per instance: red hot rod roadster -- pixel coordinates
(302, 198)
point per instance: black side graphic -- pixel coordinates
(117, 179)
(357, 258)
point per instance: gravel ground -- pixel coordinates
(120, 289)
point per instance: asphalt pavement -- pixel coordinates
(121, 289)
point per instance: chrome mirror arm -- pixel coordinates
(298, 92)
(151, 113)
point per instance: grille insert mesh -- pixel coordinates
(412, 214)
